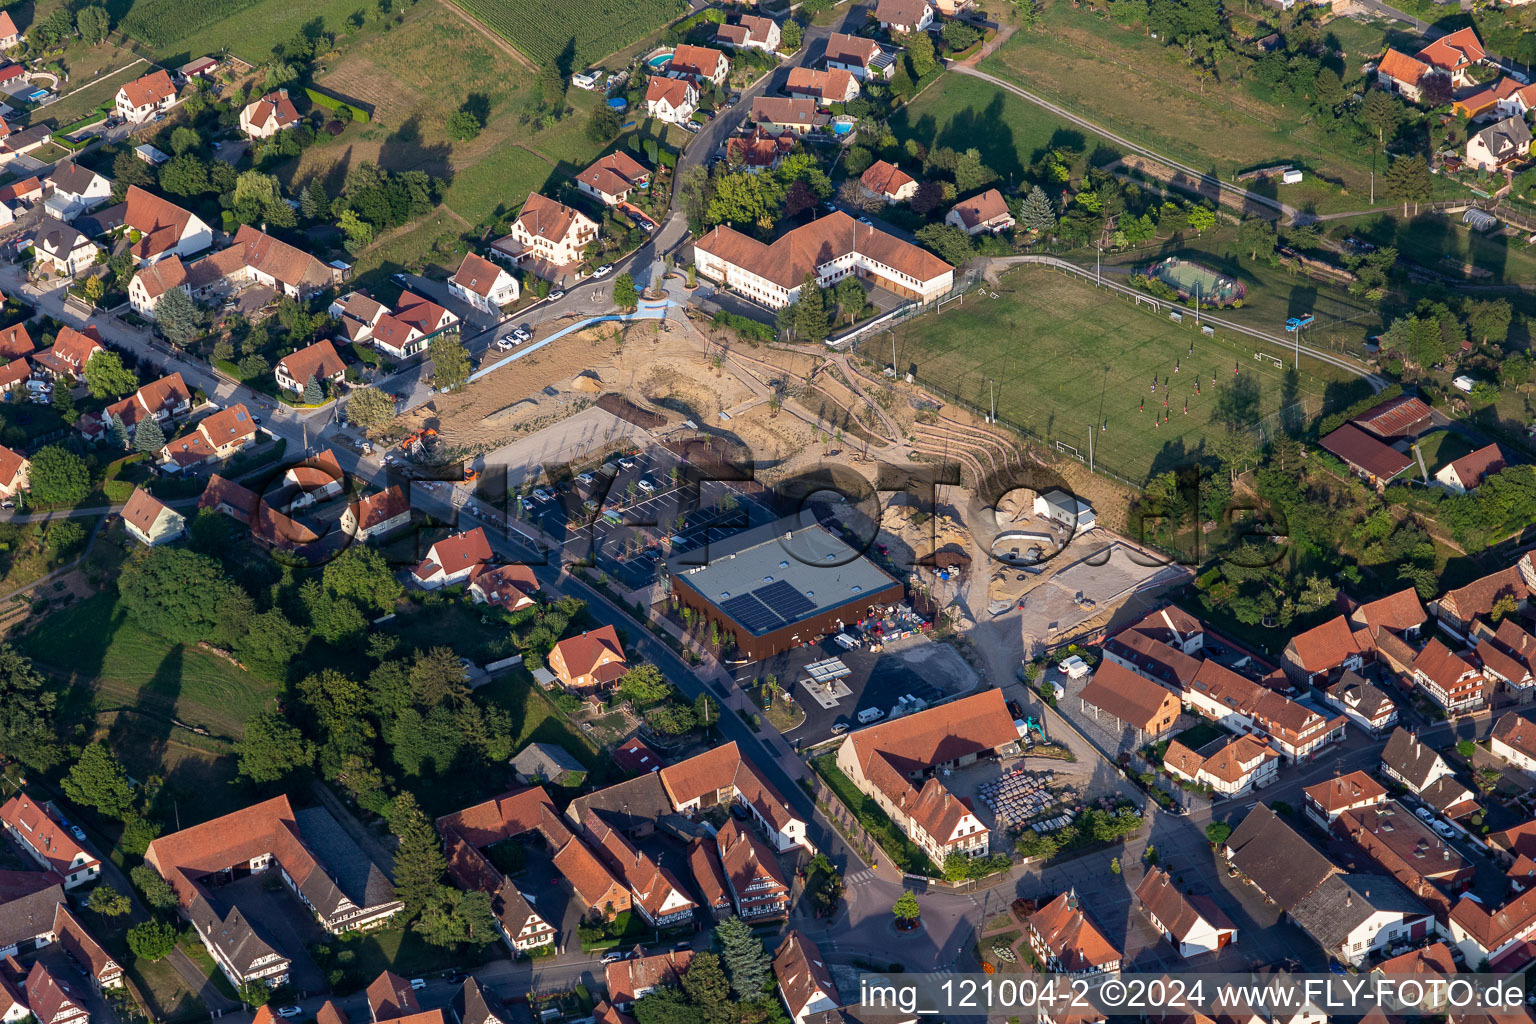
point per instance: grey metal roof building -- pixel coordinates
(346, 872)
(780, 585)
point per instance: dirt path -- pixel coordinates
(496, 40)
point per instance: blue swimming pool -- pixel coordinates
(659, 61)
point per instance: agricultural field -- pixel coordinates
(178, 30)
(572, 32)
(1129, 83)
(1067, 358)
(114, 665)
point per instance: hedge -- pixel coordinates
(332, 103)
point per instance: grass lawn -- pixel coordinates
(1129, 83)
(114, 665)
(394, 949)
(248, 29)
(1197, 736)
(1442, 447)
(553, 29)
(1442, 244)
(76, 105)
(1065, 355)
(907, 855)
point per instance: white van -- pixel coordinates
(870, 715)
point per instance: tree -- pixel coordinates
(152, 940)
(705, 983)
(419, 861)
(437, 676)
(271, 749)
(107, 377)
(313, 395)
(951, 244)
(463, 126)
(450, 362)
(644, 684)
(98, 780)
(1201, 219)
(810, 311)
(957, 35)
(63, 402)
(314, 204)
(156, 890)
(148, 437)
(453, 917)
(259, 198)
(59, 476)
(179, 317)
(26, 713)
(625, 294)
(185, 140)
(1489, 320)
(906, 908)
(363, 576)
(1256, 235)
(1038, 213)
(1381, 113)
(1218, 832)
(746, 961)
(1328, 90)
(370, 408)
(185, 175)
(93, 24)
(850, 297)
(791, 36)
(1114, 865)
(706, 710)
(919, 47)
(271, 643)
(603, 123)
(1408, 178)
(138, 833)
(183, 596)
(108, 902)
(255, 993)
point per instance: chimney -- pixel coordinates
(1349, 899)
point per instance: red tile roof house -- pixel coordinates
(862, 58)
(1364, 703)
(1241, 765)
(758, 887)
(505, 586)
(1325, 652)
(214, 439)
(1504, 935)
(1395, 840)
(1141, 705)
(317, 478)
(15, 473)
(378, 514)
(153, 280)
(1326, 800)
(521, 927)
(163, 228)
(452, 559)
(1067, 942)
(723, 776)
(654, 892)
(709, 877)
(831, 247)
(69, 353)
(423, 314)
(824, 87)
(903, 16)
(700, 62)
(781, 114)
(589, 664)
(49, 998)
(257, 258)
(313, 856)
(1457, 610)
(612, 178)
(269, 115)
(750, 31)
(671, 99)
(548, 238)
(47, 842)
(1514, 739)
(889, 762)
(1455, 54)
(483, 285)
(313, 362)
(1193, 924)
(889, 182)
(165, 399)
(358, 313)
(804, 979)
(985, 213)
(149, 521)
(143, 98)
(1448, 679)
(10, 35)
(1238, 703)
(1400, 417)
(1467, 472)
(629, 980)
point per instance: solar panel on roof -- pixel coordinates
(751, 613)
(787, 602)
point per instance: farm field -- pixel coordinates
(178, 31)
(119, 666)
(573, 33)
(1066, 357)
(1010, 133)
(1133, 85)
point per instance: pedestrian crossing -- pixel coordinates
(859, 877)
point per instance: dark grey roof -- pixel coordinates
(474, 1005)
(1445, 792)
(73, 178)
(625, 806)
(33, 136)
(1332, 911)
(236, 938)
(546, 761)
(1281, 863)
(1370, 698)
(1411, 759)
(58, 236)
(108, 218)
(343, 862)
(27, 917)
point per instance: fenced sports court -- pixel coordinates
(1191, 279)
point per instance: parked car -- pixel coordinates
(603, 271)
(556, 296)
(626, 463)
(541, 494)
(587, 478)
(522, 333)
(1074, 667)
(838, 728)
(1444, 831)
(1425, 813)
(612, 958)
(77, 832)
(644, 483)
(289, 1011)
(400, 279)
(417, 984)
